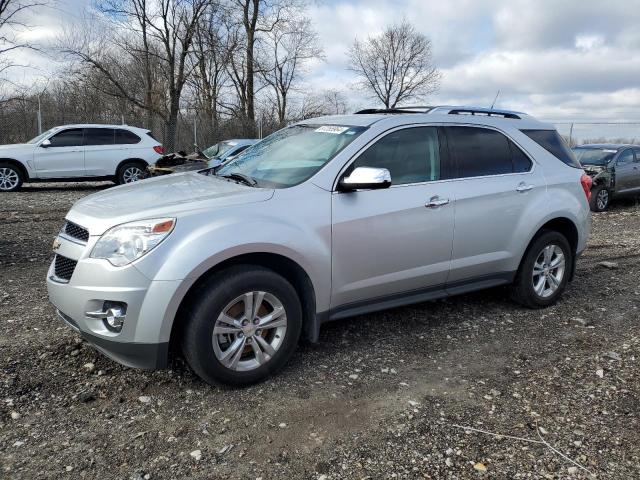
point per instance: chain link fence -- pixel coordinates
(21, 120)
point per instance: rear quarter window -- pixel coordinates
(553, 143)
(125, 137)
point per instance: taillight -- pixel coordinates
(159, 149)
(586, 182)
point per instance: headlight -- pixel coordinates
(125, 243)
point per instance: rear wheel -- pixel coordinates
(544, 271)
(11, 177)
(242, 326)
(600, 199)
(131, 172)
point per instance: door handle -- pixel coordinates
(435, 202)
(523, 187)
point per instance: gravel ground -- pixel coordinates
(390, 395)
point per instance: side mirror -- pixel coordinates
(46, 143)
(365, 178)
(214, 163)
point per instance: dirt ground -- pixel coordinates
(389, 395)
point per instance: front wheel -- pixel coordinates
(11, 177)
(544, 271)
(242, 326)
(600, 199)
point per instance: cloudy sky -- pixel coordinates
(561, 60)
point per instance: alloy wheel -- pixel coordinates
(602, 199)
(132, 174)
(548, 271)
(9, 178)
(249, 331)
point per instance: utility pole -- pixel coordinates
(39, 117)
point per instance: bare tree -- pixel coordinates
(257, 17)
(211, 56)
(395, 66)
(11, 23)
(169, 28)
(288, 48)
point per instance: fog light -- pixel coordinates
(112, 315)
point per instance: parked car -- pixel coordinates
(614, 169)
(79, 152)
(325, 219)
(213, 156)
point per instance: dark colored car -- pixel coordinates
(219, 153)
(614, 169)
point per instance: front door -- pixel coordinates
(627, 172)
(63, 157)
(397, 241)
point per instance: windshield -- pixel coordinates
(594, 156)
(217, 149)
(291, 155)
(43, 135)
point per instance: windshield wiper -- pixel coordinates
(241, 177)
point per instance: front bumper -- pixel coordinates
(143, 341)
(148, 356)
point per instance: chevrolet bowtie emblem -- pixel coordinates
(56, 244)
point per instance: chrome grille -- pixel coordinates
(64, 267)
(76, 231)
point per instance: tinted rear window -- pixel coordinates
(553, 143)
(480, 151)
(98, 136)
(125, 137)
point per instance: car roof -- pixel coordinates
(609, 146)
(101, 125)
(237, 141)
(437, 114)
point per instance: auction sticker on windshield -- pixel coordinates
(331, 129)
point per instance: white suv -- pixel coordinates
(79, 152)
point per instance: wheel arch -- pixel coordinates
(131, 160)
(564, 226)
(282, 265)
(19, 165)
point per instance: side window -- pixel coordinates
(98, 136)
(553, 143)
(521, 163)
(125, 137)
(67, 138)
(479, 151)
(411, 155)
(625, 157)
(637, 152)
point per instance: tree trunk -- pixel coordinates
(172, 123)
(250, 121)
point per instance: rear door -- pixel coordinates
(63, 158)
(495, 183)
(98, 151)
(627, 172)
(393, 242)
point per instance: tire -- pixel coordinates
(131, 172)
(600, 199)
(11, 177)
(239, 364)
(523, 290)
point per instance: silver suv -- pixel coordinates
(325, 219)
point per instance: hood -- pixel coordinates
(16, 145)
(165, 196)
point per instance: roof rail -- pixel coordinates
(489, 112)
(394, 110)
